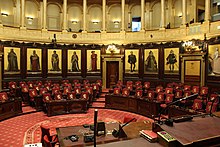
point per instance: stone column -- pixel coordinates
(184, 12)
(122, 15)
(162, 25)
(44, 14)
(64, 15)
(142, 15)
(84, 14)
(1, 25)
(207, 10)
(22, 13)
(150, 19)
(1, 59)
(194, 10)
(103, 15)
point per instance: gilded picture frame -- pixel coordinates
(93, 61)
(214, 60)
(171, 60)
(131, 61)
(34, 60)
(151, 57)
(54, 60)
(74, 60)
(12, 58)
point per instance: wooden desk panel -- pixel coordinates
(132, 104)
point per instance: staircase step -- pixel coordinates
(98, 105)
(100, 99)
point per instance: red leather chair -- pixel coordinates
(137, 83)
(77, 90)
(159, 89)
(129, 87)
(85, 95)
(12, 85)
(139, 93)
(43, 90)
(125, 92)
(71, 95)
(195, 89)
(138, 87)
(129, 83)
(146, 85)
(187, 88)
(37, 87)
(47, 97)
(203, 93)
(211, 105)
(75, 81)
(160, 97)
(24, 93)
(55, 90)
(86, 85)
(178, 94)
(168, 90)
(150, 95)
(46, 138)
(117, 91)
(22, 83)
(85, 81)
(197, 105)
(77, 85)
(58, 96)
(3, 97)
(214, 98)
(30, 84)
(40, 83)
(168, 99)
(32, 95)
(66, 90)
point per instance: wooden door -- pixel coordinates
(112, 73)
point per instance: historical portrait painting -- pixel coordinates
(12, 60)
(93, 60)
(74, 60)
(192, 68)
(151, 61)
(131, 60)
(171, 60)
(54, 60)
(34, 57)
(214, 60)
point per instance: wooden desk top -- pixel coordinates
(131, 130)
(195, 131)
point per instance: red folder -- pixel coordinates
(149, 135)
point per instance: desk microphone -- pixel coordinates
(120, 133)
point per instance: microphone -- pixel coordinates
(117, 133)
(172, 103)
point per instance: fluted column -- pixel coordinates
(103, 15)
(184, 12)
(84, 14)
(22, 13)
(142, 14)
(207, 10)
(1, 59)
(44, 14)
(151, 18)
(162, 14)
(64, 15)
(122, 15)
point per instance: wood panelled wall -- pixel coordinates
(161, 78)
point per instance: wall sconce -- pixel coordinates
(4, 14)
(95, 21)
(30, 18)
(116, 22)
(74, 21)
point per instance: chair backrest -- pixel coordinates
(139, 93)
(147, 85)
(197, 104)
(195, 89)
(129, 87)
(65, 81)
(129, 83)
(47, 97)
(77, 85)
(137, 83)
(66, 90)
(58, 96)
(168, 90)
(37, 87)
(117, 91)
(22, 83)
(178, 93)
(40, 83)
(138, 87)
(3, 96)
(187, 88)
(77, 90)
(125, 92)
(211, 105)
(32, 92)
(30, 84)
(214, 98)
(169, 98)
(89, 90)
(160, 97)
(86, 85)
(159, 89)
(55, 90)
(95, 87)
(12, 85)
(150, 95)
(43, 90)
(71, 95)
(24, 89)
(204, 91)
(85, 95)
(187, 93)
